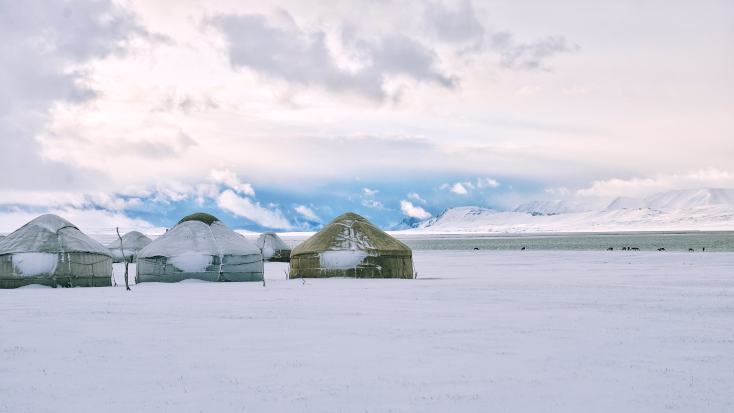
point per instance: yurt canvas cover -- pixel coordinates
(199, 247)
(273, 247)
(350, 246)
(132, 242)
(51, 251)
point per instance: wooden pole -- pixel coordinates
(123, 258)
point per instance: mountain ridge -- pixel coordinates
(699, 209)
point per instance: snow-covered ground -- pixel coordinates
(477, 331)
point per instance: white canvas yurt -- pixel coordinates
(132, 242)
(199, 247)
(273, 247)
(51, 251)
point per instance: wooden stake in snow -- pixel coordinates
(123, 258)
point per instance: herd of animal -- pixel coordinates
(627, 249)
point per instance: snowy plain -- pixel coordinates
(507, 331)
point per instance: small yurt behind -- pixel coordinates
(273, 247)
(51, 251)
(350, 246)
(132, 242)
(199, 247)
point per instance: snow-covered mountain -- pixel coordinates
(690, 198)
(551, 207)
(463, 216)
(624, 202)
(407, 223)
(701, 209)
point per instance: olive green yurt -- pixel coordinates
(350, 246)
(51, 251)
(273, 248)
(199, 247)
(132, 242)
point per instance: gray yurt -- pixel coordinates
(273, 248)
(350, 246)
(51, 251)
(199, 247)
(132, 242)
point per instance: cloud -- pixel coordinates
(576, 91)
(468, 185)
(51, 199)
(557, 191)
(528, 56)
(413, 211)
(459, 189)
(372, 204)
(230, 179)
(171, 190)
(45, 54)
(305, 58)
(454, 25)
(528, 91)
(487, 182)
(370, 192)
(89, 220)
(416, 197)
(641, 187)
(444, 186)
(243, 207)
(308, 213)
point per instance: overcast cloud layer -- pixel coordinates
(286, 114)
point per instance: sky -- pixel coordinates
(284, 114)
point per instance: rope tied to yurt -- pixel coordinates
(221, 256)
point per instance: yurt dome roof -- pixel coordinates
(350, 231)
(272, 240)
(201, 217)
(132, 240)
(199, 234)
(50, 233)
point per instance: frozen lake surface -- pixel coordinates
(551, 331)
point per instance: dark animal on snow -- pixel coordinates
(522, 249)
(610, 249)
(475, 248)
(624, 248)
(661, 249)
(634, 249)
(690, 249)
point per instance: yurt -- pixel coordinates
(350, 246)
(51, 251)
(132, 242)
(199, 247)
(273, 247)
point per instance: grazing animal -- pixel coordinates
(475, 248)
(661, 249)
(704, 248)
(610, 249)
(522, 249)
(634, 249)
(624, 248)
(690, 249)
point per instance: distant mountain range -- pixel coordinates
(698, 209)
